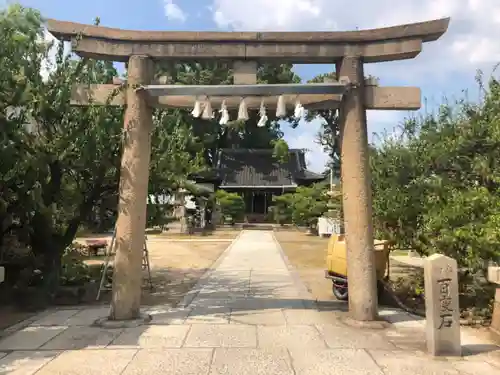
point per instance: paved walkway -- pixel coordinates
(251, 316)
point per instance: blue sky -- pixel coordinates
(444, 68)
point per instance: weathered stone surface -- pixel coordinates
(89, 362)
(357, 196)
(393, 98)
(25, 363)
(399, 42)
(428, 31)
(442, 310)
(108, 323)
(407, 339)
(258, 317)
(373, 325)
(263, 303)
(291, 348)
(245, 72)
(222, 336)
(347, 337)
(494, 277)
(495, 319)
(290, 336)
(209, 315)
(251, 362)
(30, 338)
(334, 361)
(168, 315)
(134, 177)
(155, 336)
(170, 362)
(398, 362)
(88, 316)
(401, 319)
(309, 317)
(56, 318)
(75, 338)
(494, 274)
(381, 98)
(476, 368)
(323, 53)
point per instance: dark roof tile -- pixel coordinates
(258, 167)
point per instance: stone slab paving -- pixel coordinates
(249, 315)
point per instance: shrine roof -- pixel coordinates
(252, 168)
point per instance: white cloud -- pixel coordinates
(304, 137)
(471, 39)
(173, 11)
(269, 15)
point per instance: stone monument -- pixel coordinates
(494, 278)
(441, 306)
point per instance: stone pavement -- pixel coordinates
(250, 315)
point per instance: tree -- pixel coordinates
(303, 207)
(236, 134)
(59, 162)
(437, 187)
(329, 135)
(309, 203)
(175, 153)
(232, 205)
(282, 208)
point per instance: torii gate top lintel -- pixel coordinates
(373, 45)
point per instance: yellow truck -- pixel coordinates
(336, 265)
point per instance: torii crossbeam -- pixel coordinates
(349, 51)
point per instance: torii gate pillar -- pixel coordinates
(134, 177)
(357, 195)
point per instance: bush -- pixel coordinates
(74, 272)
(303, 207)
(231, 204)
(282, 208)
(436, 188)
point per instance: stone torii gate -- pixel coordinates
(349, 51)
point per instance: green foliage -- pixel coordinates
(61, 163)
(309, 203)
(437, 187)
(231, 204)
(57, 157)
(236, 134)
(175, 153)
(159, 215)
(303, 207)
(282, 208)
(281, 151)
(328, 137)
(74, 272)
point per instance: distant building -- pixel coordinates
(257, 176)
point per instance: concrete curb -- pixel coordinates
(191, 295)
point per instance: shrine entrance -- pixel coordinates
(350, 93)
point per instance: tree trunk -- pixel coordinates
(44, 244)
